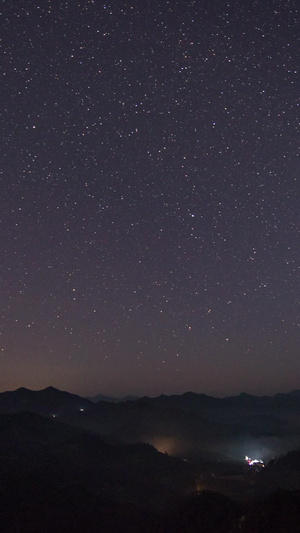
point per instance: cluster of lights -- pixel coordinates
(253, 462)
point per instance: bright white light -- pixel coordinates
(252, 462)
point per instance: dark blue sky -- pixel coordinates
(150, 197)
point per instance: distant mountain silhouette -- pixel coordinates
(130, 398)
(46, 402)
(101, 398)
(188, 425)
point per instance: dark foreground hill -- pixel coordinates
(30, 443)
(51, 473)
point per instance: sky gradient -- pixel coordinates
(150, 197)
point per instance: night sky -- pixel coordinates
(150, 196)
